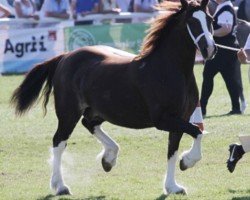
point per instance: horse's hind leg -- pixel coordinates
(170, 184)
(67, 120)
(111, 148)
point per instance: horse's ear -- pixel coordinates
(204, 4)
(184, 4)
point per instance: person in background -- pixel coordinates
(109, 6)
(212, 5)
(38, 4)
(25, 9)
(56, 8)
(225, 61)
(244, 54)
(237, 150)
(123, 5)
(84, 7)
(4, 12)
(243, 11)
(145, 5)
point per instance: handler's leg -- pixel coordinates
(237, 151)
(230, 74)
(243, 102)
(245, 141)
(210, 70)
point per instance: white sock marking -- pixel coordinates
(111, 148)
(57, 179)
(193, 155)
(170, 184)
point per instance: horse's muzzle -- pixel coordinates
(209, 52)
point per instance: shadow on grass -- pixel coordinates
(223, 115)
(241, 198)
(50, 197)
(217, 116)
(162, 197)
(177, 196)
(240, 191)
(95, 198)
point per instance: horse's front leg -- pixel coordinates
(176, 125)
(170, 185)
(193, 155)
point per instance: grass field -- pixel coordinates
(25, 151)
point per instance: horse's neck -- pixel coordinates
(177, 50)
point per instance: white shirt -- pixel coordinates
(146, 4)
(225, 17)
(26, 10)
(247, 9)
(123, 5)
(52, 6)
(108, 6)
(1, 13)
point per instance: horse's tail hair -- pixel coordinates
(28, 92)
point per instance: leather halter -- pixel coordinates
(196, 40)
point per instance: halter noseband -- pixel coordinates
(196, 40)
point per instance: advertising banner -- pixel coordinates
(127, 37)
(22, 49)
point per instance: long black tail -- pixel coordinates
(27, 93)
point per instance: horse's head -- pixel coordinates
(199, 26)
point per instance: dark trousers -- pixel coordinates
(225, 62)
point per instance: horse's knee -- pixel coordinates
(64, 129)
(91, 124)
(88, 125)
(58, 138)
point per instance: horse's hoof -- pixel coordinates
(63, 191)
(182, 192)
(106, 166)
(179, 190)
(183, 167)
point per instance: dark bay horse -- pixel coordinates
(157, 88)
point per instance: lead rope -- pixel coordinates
(233, 49)
(226, 47)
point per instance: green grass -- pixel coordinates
(25, 144)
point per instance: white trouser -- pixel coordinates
(245, 141)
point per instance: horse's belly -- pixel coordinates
(129, 119)
(126, 111)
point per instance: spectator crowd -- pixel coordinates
(64, 9)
